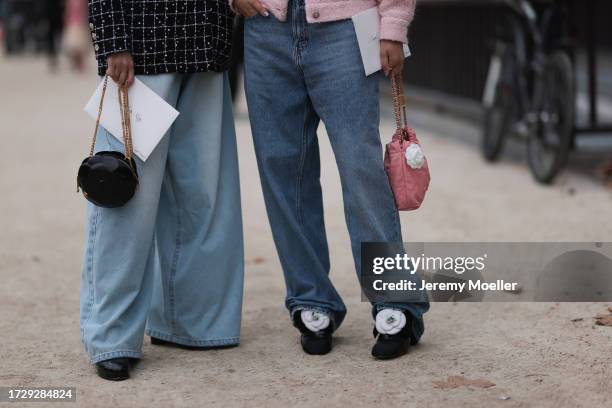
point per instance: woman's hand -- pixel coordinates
(391, 57)
(248, 8)
(121, 68)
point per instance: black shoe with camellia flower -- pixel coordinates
(314, 342)
(392, 343)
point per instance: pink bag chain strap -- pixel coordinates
(399, 103)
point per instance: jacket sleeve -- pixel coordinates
(108, 29)
(395, 17)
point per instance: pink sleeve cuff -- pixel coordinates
(393, 29)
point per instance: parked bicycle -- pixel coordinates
(530, 88)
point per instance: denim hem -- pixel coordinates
(381, 306)
(404, 307)
(115, 354)
(186, 341)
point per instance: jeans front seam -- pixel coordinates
(300, 37)
(301, 164)
(398, 225)
(89, 269)
(173, 268)
(296, 57)
(395, 214)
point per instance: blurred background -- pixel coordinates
(534, 71)
(512, 101)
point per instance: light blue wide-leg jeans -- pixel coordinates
(296, 75)
(172, 257)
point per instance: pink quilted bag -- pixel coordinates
(405, 162)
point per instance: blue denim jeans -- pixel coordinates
(296, 75)
(172, 257)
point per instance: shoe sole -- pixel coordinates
(316, 354)
(112, 377)
(164, 343)
(383, 358)
(390, 357)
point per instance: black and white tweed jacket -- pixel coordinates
(163, 35)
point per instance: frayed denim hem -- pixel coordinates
(115, 354)
(186, 341)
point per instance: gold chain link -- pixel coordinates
(399, 102)
(93, 142)
(124, 106)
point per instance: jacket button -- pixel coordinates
(91, 26)
(96, 47)
(316, 14)
(93, 36)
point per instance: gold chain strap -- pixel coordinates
(399, 101)
(126, 125)
(95, 134)
(124, 106)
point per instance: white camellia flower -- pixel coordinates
(390, 321)
(314, 321)
(414, 156)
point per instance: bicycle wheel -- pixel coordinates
(549, 144)
(499, 109)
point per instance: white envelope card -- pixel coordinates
(367, 28)
(150, 115)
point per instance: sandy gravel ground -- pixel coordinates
(533, 353)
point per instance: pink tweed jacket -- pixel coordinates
(395, 15)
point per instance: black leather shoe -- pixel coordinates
(389, 346)
(314, 343)
(115, 369)
(159, 342)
